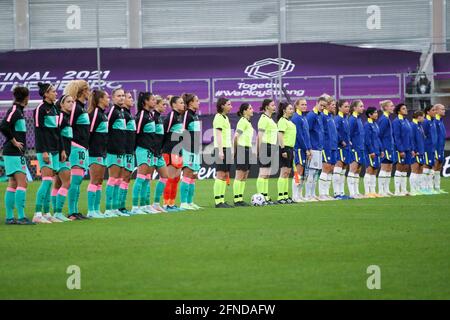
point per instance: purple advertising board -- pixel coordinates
(441, 62)
(241, 72)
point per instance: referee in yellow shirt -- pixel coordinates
(242, 150)
(222, 151)
(287, 132)
(267, 147)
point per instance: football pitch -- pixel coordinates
(302, 251)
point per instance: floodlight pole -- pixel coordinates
(281, 31)
(98, 45)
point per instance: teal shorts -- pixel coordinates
(159, 162)
(115, 160)
(191, 160)
(129, 162)
(15, 164)
(97, 160)
(144, 156)
(54, 161)
(63, 166)
(79, 157)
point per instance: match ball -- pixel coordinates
(258, 199)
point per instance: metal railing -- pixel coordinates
(397, 86)
(376, 86)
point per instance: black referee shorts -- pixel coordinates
(287, 162)
(223, 164)
(242, 158)
(267, 154)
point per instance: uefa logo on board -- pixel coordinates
(269, 68)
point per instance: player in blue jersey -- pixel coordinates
(373, 154)
(441, 135)
(315, 124)
(387, 145)
(302, 148)
(430, 131)
(329, 152)
(344, 148)
(418, 147)
(402, 140)
(357, 154)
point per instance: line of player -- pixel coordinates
(324, 144)
(321, 145)
(75, 133)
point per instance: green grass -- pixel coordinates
(304, 251)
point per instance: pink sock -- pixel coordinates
(92, 188)
(62, 191)
(111, 181)
(54, 192)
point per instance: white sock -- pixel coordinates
(367, 184)
(336, 181)
(413, 182)
(430, 179)
(38, 214)
(425, 182)
(300, 187)
(405, 182)
(422, 181)
(426, 176)
(322, 183)
(373, 183)
(437, 180)
(356, 183)
(351, 189)
(310, 185)
(381, 178)
(432, 172)
(397, 181)
(329, 179)
(342, 182)
(387, 181)
(295, 187)
(314, 189)
(419, 181)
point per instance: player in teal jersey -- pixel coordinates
(98, 140)
(129, 161)
(191, 151)
(47, 139)
(14, 129)
(61, 181)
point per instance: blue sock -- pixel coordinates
(21, 194)
(43, 195)
(47, 200)
(191, 191)
(73, 193)
(116, 196)
(92, 195)
(145, 186)
(137, 189)
(98, 198)
(10, 198)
